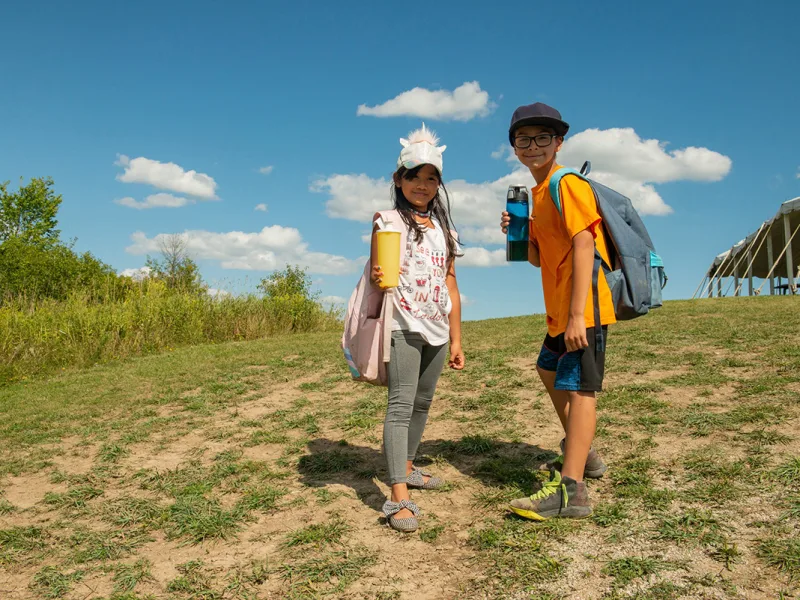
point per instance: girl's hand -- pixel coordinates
(456, 357)
(376, 277)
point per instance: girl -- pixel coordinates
(427, 312)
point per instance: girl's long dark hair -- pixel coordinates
(439, 208)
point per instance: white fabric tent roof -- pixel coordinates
(723, 265)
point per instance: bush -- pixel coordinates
(36, 272)
(149, 317)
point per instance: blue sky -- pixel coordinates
(120, 103)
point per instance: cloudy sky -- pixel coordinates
(266, 134)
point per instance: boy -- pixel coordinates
(570, 364)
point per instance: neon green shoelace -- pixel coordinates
(549, 488)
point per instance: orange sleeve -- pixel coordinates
(578, 205)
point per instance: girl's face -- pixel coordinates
(421, 188)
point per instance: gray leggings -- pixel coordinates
(414, 370)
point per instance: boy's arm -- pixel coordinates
(456, 352)
(582, 264)
(533, 254)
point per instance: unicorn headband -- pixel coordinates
(420, 149)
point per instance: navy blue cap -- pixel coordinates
(537, 114)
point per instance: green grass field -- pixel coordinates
(253, 470)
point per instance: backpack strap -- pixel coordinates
(554, 187)
(555, 194)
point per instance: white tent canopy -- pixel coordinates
(773, 250)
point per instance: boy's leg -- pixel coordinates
(580, 374)
(564, 375)
(547, 366)
(559, 398)
(580, 433)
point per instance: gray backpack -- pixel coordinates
(636, 273)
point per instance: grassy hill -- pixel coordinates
(253, 470)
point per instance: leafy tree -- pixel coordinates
(34, 272)
(29, 214)
(293, 282)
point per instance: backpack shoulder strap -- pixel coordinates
(554, 187)
(555, 181)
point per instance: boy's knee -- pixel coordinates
(590, 397)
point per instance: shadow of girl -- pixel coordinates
(493, 463)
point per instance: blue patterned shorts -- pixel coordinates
(579, 371)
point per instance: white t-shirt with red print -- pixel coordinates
(421, 300)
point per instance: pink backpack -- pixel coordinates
(367, 338)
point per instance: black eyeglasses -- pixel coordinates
(542, 140)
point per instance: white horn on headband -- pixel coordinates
(420, 149)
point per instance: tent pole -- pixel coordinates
(736, 279)
(751, 258)
(699, 286)
(789, 265)
(780, 256)
(719, 288)
(769, 261)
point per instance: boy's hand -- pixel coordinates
(505, 221)
(575, 335)
(456, 357)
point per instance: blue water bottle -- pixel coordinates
(517, 236)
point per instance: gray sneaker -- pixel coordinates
(559, 497)
(594, 469)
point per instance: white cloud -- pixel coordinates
(623, 152)
(261, 207)
(333, 300)
(503, 151)
(623, 161)
(167, 176)
(267, 250)
(266, 170)
(490, 234)
(466, 301)
(217, 293)
(462, 104)
(160, 200)
(634, 169)
(798, 172)
(481, 257)
(136, 274)
(354, 197)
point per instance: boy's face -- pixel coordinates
(535, 156)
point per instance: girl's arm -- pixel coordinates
(376, 273)
(456, 352)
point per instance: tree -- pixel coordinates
(293, 282)
(176, 268)
(29, 214)
(34, 272)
